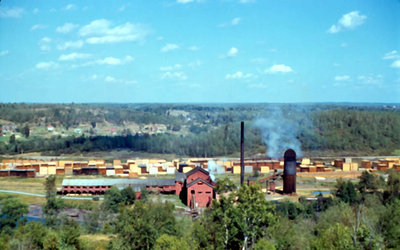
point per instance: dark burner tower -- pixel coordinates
(289, 172)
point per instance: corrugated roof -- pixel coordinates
(179, 176)
(118, 182)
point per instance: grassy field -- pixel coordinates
(36, 186)
(25, 198)
(95, 241)
(174, 199)
(30, 185)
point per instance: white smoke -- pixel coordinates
(214, 168)
(279, 133)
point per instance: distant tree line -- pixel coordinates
(213, 130)
(67, 115)
(221, 141)
(357, 131)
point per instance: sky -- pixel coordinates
(199, 51)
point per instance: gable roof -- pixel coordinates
(194, 170)
(200, 180)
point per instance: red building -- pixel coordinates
(197, 189)
(199, 193)
(197, 173)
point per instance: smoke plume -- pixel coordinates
(279, 133)
(214, 168)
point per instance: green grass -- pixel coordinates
(80, 204)
(30, 185)
(95, 241)
(25, 198)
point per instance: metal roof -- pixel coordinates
(179, 176)
(118, 182)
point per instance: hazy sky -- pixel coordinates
(199, 51)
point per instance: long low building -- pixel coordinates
(195, 188)
(99, 186)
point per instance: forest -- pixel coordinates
(358, 215)
(204, 130)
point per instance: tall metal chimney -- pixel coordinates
(241, 153)
(289, 172)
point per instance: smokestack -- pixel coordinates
(241, 153)
(289, 172)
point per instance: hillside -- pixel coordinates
(200, 129)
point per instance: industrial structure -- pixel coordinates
(195, 188)
(241, 153)
(289, 172)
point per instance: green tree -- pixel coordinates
(112, 199)
(53, 204)
(128, 195)
(391, 225)
(225, 218)
(12, 211)
(256, 214)
(225, 185)
(70, 233)
(340, 213)
(142, 224)
(29, 236)
(337, 236)
(263, 244)
(346, 191)
(4, 238)
(12, 139)
(392, 191)
(51, 242)
(369, 182)
(25, 131)
(290, 210)
(292, 234)
(144, 194)
(93, 221)
(236, 220)
(171, 242)
(50, 186)
(205, 233)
